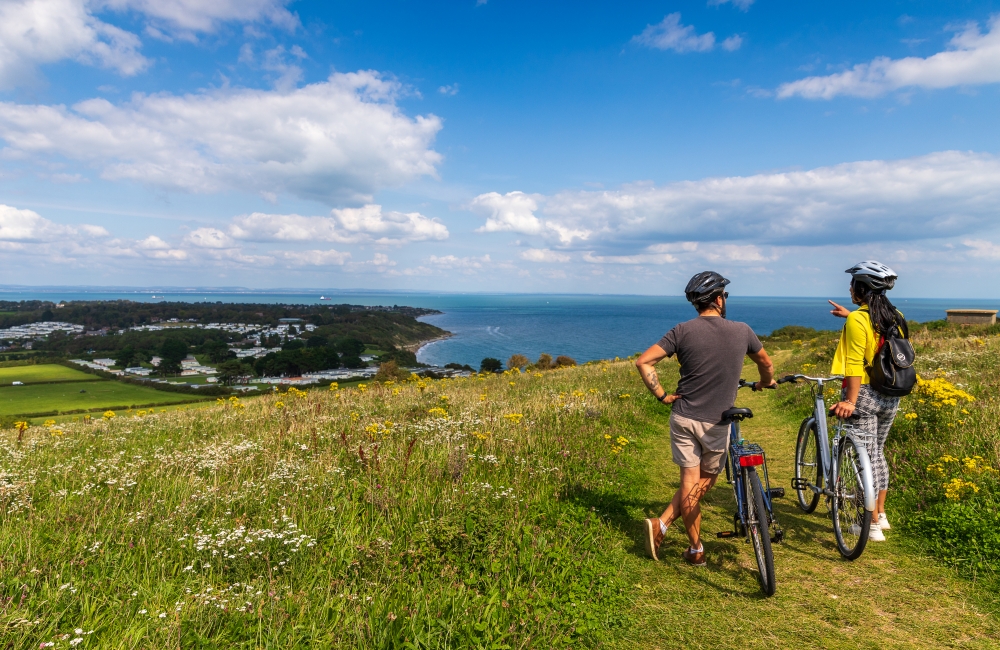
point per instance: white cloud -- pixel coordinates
(944, 194)
(670, 34)
(207, 15)
(368, 224)
(453, 262)
(515, 212)
(544, 255)
(742, 5)
(28, 226)
(34, 32)
(341, 139)
(642, 258)
(317, 258)
(450, 90)
(972, 58)
(209, 238)
(983, 249)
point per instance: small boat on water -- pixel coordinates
(325, 298)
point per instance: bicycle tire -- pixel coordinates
(807, 446)
(848, 503)
(758, 527)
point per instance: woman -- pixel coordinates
(861, 404)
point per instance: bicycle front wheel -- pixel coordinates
(808, 467)
(851, 522)
(758, 525)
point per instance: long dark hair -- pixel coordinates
(884, 315)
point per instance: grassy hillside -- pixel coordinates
(498, 511)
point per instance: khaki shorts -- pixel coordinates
(695, 443)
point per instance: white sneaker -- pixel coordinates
(883, 523)
(875, 535)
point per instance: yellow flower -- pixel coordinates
(593, 391)
(437, 412)
(607, 437)
(512, 383)
(621, 440)
(514, 417)
(956, 488)
(910, 416)
(50, 423)
(334, 385)
(624, 396)
(108, 415)
(279, 405)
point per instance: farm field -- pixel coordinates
(71, 396)
(42, 373)
(493, 511)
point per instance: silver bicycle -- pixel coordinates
(838, 468)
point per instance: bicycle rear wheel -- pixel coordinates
(758, 525)
(808, 466)
(851, 522)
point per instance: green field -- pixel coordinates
(43, 398)
(43, 373)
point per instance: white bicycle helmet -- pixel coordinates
(876, 275)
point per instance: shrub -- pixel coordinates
(544, 361)
(517, 361)
(489, 364)
(390, 371)
(562, 361)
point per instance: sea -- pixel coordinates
(582, 326)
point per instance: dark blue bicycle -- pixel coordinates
(753, 495)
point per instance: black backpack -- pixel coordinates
(892, 373)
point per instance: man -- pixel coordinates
(710, 350)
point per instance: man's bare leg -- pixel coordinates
(694, 485)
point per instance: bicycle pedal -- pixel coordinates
(726, 533)
(778, 536)
(800, 484)
(777, 492)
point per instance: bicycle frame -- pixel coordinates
(828, 457)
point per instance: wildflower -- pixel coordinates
(334, 386)
(512, 383)
(957, 488)
(437, 412)
(279, 405)
(624, 396)
(362, 387)
(622, 441)
(607, 436)
(910, 416)
(514, 417)
(142, 611)
(108, 415)
(77, 641)
(50, 423)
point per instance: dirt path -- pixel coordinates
(889, 598)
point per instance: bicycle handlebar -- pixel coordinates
(794, 378)
(752, 385)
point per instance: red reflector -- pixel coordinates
(751, 460)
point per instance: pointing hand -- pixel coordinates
(838, 310)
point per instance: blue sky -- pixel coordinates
(499, 145)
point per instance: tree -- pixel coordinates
(389, 371)
(294, 344)
(544, 361)
(127, 357)
(233, 371)
(562, 361)
(517, 361)
(172, 352)
(316, 341)
(218, 351)
(350, 346)
(489, 364)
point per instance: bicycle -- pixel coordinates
(753, 499)
(841, 462)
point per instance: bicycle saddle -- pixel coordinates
(736, 414)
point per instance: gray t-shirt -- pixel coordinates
(710, 350)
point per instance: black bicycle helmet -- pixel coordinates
(876, 275)
(705, 286)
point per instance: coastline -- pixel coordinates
(416, 347)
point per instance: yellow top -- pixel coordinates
(857, 347)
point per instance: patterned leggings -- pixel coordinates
(873, 414)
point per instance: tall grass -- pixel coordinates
(423, 513)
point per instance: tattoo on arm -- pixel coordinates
(651, 380)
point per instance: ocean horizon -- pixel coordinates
(582, 326)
